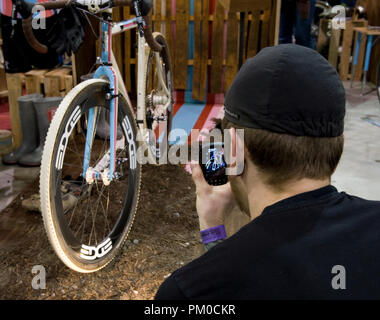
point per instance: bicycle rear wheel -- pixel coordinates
(159, 98)
(86, 216)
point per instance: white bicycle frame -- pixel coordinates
(110, 70)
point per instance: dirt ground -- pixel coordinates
(164, 237)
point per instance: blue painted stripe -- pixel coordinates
(185, 119)
(190, 54)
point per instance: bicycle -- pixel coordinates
(89, 181)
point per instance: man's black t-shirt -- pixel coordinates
(299, 248)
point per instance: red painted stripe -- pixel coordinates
(129, 24)
(4, 108)
(200, 122)
(5, 122)
(176, 107)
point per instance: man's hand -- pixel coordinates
(213, 202)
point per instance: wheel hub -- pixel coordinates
(155, 98)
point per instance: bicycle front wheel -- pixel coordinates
(87, 217)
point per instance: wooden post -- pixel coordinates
(68, 83)
(277, 22)
(55, 82)
(253, 40)
(3, 84)
(34, 79)
(181, 44)
(201, 14)
(157, 16)
(217, 48)
(127, 52)
(346, 50)
(334, 47)
(232, 58)
(265, 28)
(359, 67)
(14, 84)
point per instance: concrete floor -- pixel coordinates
(359, 169)
(357, 173)
(13, 179)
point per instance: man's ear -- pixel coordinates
(230, 149)
(235, 151)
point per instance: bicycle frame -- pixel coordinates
(110, 71)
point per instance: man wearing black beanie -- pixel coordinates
(305, 239)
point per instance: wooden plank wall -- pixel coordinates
(201, 50)
(346, 40)
(215, 43)
(343, 59)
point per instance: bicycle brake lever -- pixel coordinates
(140, 21)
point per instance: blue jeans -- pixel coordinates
(349, 3)
(291, 23)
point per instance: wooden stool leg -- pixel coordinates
(14, 83)
(356, 56)
(366, 63)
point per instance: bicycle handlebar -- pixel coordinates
(36, 45)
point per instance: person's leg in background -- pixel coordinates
(19, 56)
(15, 48)
(303, 27)
(349, 3)
(287, 21)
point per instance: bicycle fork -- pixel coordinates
(101, 172)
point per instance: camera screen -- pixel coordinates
(215, 160)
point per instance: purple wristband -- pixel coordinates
(213, 234)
